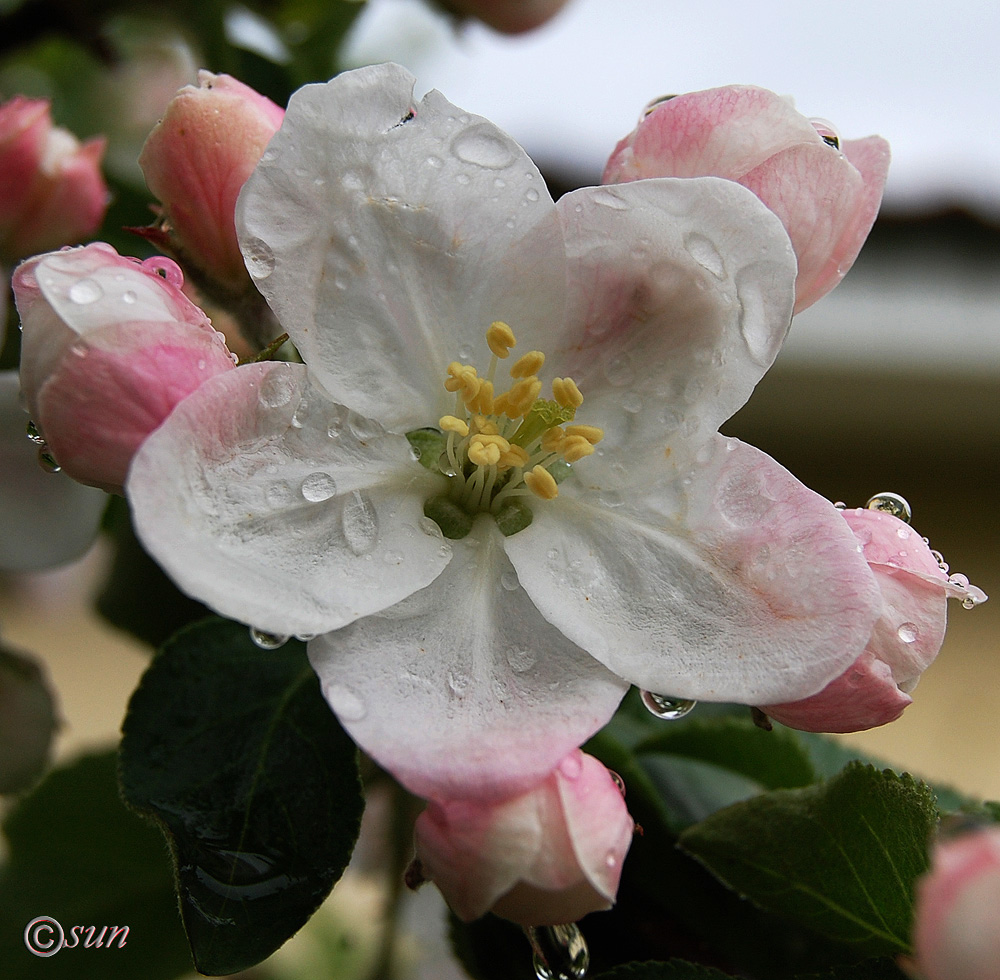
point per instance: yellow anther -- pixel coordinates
(483, 453)
(492, 440)
(552, 439)
(449, 423)
(566, 393)
(591, 433)
(574, 448)
(531, 363)
(500, 338)
(520, 397)
(514, 456)
(539, 481)
(483, 402)
(480, 423)
(459, 376)
(470, 393)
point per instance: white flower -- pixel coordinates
(395, 243)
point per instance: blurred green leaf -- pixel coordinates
(78, 855)
(671, 970)
(234, 752)
(840, 857)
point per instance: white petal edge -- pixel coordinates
(734, 582)
(463, 689)
(276, 507)
(387, 244)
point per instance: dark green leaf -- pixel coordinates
(233, 750)
(880, 969)
(840, 857)
(775, 759)
(78, 855)
(671, 970)
(691, 790)
(491, 949)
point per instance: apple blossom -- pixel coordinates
(876, 688)
(825, 191)
(51, 188)
(196, 160)
(545, 857)
(109, 346)
(468, 599)
(956, 934)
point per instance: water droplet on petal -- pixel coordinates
(360, 523)
(755, 323)
(318, 487)
(48, 462)
(483, 146)
(908, 633)
(34, 434)
(619, 371)
(827, 132)
(531, 194)
(344, 702)
(891, 503)
(510, 581)
(705, 253)
(654, 104)
(129, 297)
(962, 581)
(840, 505)
(558, 952)
(276, 391)
(267, 641)
(258, 257)
(168, 269)
(667, 708)
(618, 781)
(85, 291)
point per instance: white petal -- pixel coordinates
(47, 518)
(732, 583)
(387, 247)
(463, 689)
(681, 294)
(277, 507)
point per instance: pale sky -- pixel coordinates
(924, 75)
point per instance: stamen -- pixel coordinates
(484, 453)
(531, 363)
(514, 456)
(573, 448)
(448, 423)
(566, 393)
(591, 433)
(500, 338)
(540, 482)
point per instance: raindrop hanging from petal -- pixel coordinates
(558, 952)
(665, 707)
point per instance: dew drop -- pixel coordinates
(483, 146)
(558, 952)
(318, 487)
(510, 581)
(335, 427)
(755, 324)
(359, 522)
(609, 199)
(654, 104)
(168, 269)
(276, 391)
(908, 633)
(667, 708)
(258, 257)
(129, 297)
(267, 641)
(85, 291)
(430, 527)
(827, 132)
(840, 505)
(48, 462)
(891, 503)
(531, 194)
(34, 434)
(705, 253)
(962, 581)
(618, 781)
(344, 702)
(619, 371)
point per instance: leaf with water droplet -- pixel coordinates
(235, 754)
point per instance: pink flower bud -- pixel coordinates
(109, 347)
(956, 932)
(907, 636)
(826, 192)
(508, 16)
(546, 857)
(197, 159)
(51, 188)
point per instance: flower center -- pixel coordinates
(501, 450)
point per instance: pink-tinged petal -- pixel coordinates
(432, 686)
(720, 132)
(48, 519)
(716, 583)
(196, 161)
(24, 127)
(544, 857)
(680, 296)
(956, 934)
(387, 243)
(281, 509)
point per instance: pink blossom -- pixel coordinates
(545, 857)
(957, 929)
(109, 347)
(508, 16)
(905, 640)
(197, 159)
(825, 191)
(51, 188)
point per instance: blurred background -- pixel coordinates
(890, 383)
